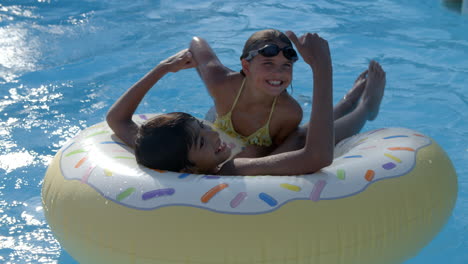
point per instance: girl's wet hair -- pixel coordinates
(164, 141)
(261, 38)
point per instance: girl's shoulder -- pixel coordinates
(288, 112)
(225, 91)
(286, 118)
(286, 104)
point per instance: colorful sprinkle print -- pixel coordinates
(238, 199)
(80, 162)
(317, 190)
(268, 199)
(184, 175)
(125, 194)
(291, 187)
(211, 177)
(75, 152)
(123, 157)
(353, 157)
(157, 193)
(113, 142)
(369, 176)
(341, 174)
(97, 134)
(108, 172)
(389, 165)
(87, 174)
(398, 136)
(392, 157)
(401, 148)
(212, 192)
(375, 131)
(363, 160)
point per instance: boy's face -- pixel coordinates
(207, 151)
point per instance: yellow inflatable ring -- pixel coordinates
(386, 195)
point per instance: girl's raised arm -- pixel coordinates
(119, 117)
(209, 67)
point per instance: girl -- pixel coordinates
(253, 104)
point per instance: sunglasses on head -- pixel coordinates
(271, 50)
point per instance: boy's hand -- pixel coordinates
(313, 49)
(181, 60)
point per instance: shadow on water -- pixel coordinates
(459, 6)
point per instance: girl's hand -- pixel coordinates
(181, 60)
(313, 49)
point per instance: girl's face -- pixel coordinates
(207, 151)
(272, 75)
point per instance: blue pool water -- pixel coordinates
(63, 63)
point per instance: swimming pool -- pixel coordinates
(63, 63)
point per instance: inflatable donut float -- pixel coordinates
(385, 196)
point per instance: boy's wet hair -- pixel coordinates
(163, 142)
(261, 38)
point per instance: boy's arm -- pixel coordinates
(209, 67)
(119, 117)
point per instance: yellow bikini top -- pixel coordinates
(261, 137)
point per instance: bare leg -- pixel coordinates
(368, 107)
(351, 99)
(373, 96)
(351, 123)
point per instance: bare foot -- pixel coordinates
(355, 93)
(351, 99)
(374, 89)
